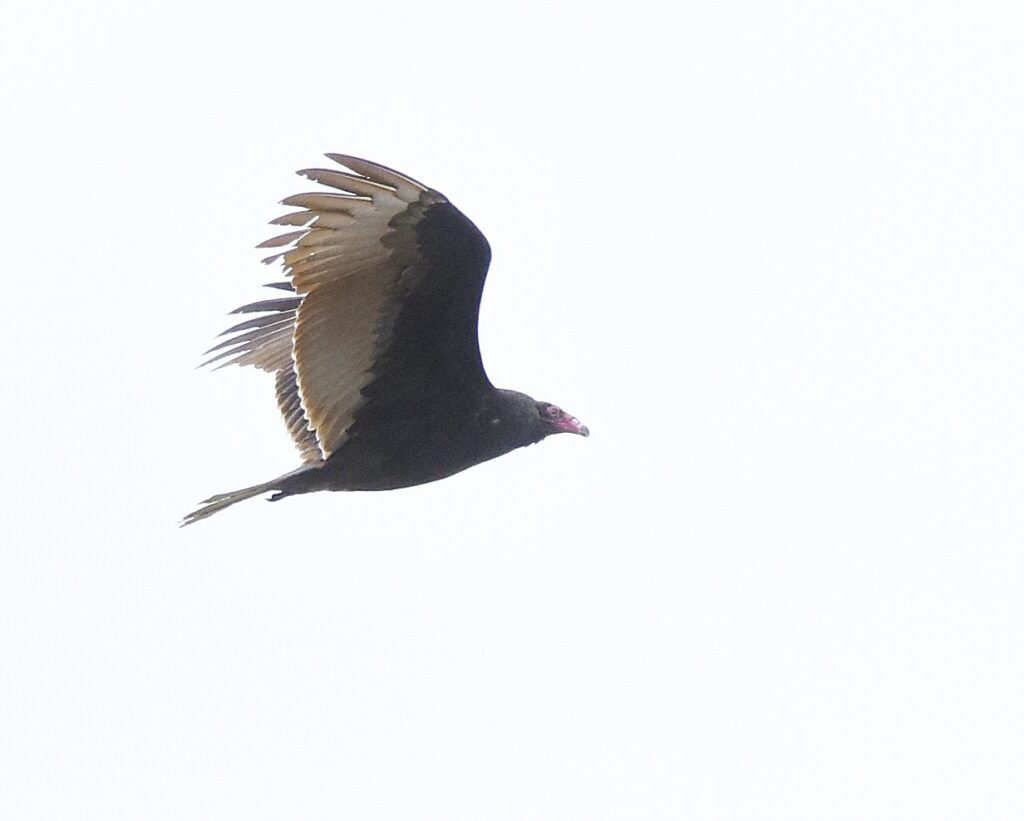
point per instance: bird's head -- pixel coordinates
(514, 420)
(556, 420)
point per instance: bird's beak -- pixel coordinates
(570, 424)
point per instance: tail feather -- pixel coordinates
(218, 502)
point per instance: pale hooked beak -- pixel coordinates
(570, 424)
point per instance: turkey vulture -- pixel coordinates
(374, 350)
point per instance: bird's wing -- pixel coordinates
(387, 278)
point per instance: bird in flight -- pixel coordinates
(374, 348)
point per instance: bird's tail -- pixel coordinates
(217, 503)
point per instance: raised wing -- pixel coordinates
(387, 278)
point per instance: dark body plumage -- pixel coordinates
(388, 452)
(377, 360)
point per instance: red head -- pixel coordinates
(559, 421)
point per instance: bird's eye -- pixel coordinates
(553, 411)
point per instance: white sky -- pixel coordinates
(770, 253)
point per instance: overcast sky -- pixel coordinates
(771, 254)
